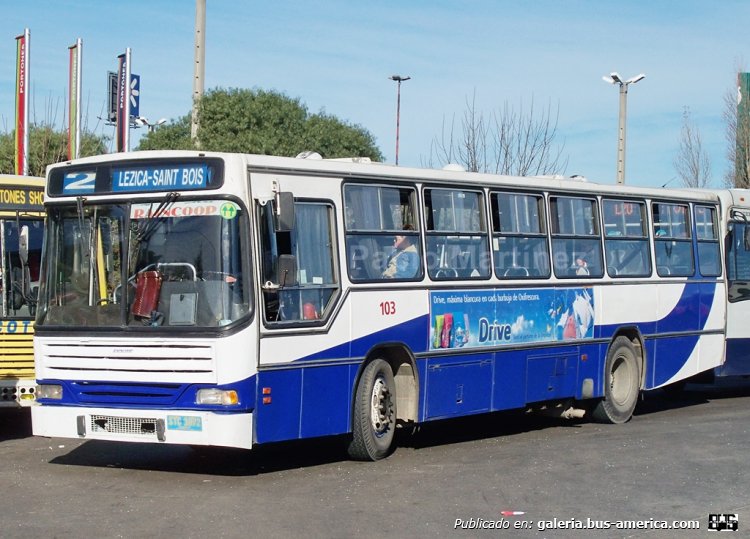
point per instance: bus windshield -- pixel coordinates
(20, 278)
(165, 263)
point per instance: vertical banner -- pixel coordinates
(22, 103)
(123, 102)
(74, 104)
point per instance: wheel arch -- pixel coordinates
(405, 375)
(633, 334)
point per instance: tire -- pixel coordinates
(622, 383)
(374, 418)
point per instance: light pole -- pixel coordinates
(399, 79)
(614, 78)
(140, 120)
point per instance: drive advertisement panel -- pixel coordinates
(496, 317)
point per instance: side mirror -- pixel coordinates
(23, 245)
(284, 206)
(287, 270)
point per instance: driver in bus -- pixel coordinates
(403, 262)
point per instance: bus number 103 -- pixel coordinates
(387, 307)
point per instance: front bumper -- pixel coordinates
(190, 427)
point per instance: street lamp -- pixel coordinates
(614, 78)
(399, 79)
(140, 120)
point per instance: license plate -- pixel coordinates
(184, 422)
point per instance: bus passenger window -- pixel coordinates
(575, 238)
(382, 236)
(457, 245)
(709, 255)
(519, 241)
(672, 240)
(626, 238)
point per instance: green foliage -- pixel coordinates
(47, 145)
(331, 138)
(263, 122)
(173, 136)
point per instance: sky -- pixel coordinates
(337, 57)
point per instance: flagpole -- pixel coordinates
(126, 112)
(79, 47)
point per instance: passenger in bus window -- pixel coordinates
(403, 262)
(581, 266)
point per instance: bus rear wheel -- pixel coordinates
(374, 420)
(622, 383)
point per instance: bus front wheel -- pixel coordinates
(622, 383)
(374, 418)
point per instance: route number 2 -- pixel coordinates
(387, 308)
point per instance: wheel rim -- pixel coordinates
(620, 386)
(381, 411)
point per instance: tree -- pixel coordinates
(737, 118)
(263, 122)
(692, 163)
(516, 142)
(47, 145)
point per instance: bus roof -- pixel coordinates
(359, 169)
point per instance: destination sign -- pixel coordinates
(179, 178)
(21, 198)
(136, 176)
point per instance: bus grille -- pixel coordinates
(167, 362)
(134, 394)
(123, 425)
(17, 355)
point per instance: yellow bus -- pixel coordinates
(21, 238)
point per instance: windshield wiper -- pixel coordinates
(152, 221)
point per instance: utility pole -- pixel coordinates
(399, 79)
(199, 69)
(614, 78)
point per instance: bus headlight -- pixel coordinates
(224, 397)
(49, 391)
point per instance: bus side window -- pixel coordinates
(457, 246)
(576, 244)
(374, 216)
(519, 236)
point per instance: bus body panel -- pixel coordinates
(16, 363)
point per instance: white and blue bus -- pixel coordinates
(232, 300)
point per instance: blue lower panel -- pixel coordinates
(304, 402)
(551, 375)
(509, 390)
(458, 385)
(737, 362)
(473, 383)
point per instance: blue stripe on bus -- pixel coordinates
(690, 313)
(413, 333)
(157, 396)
